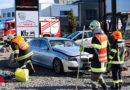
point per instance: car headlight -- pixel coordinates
(70, 58)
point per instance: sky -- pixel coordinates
(122, 5)
(6, 3)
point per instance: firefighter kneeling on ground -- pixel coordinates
(116, 57)
(22, 52)
(99, 50)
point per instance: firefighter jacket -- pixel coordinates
(117, 53)
(21, 48)
(99, 51)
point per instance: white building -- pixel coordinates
(7, 14)
(57, 10)
(45, 10)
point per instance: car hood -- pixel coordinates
(70, 51)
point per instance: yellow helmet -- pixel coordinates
(95, 25)
(9, 37)
(117, 35)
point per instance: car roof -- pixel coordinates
(56, 38)
(52, 38)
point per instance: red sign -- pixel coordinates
(2, 81)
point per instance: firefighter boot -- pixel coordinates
(115, 87)
(31, 68)
(120, 86)
(94, 88)
(104, 86)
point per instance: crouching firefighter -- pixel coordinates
(99, 51)
(22, 52)
(116, 58)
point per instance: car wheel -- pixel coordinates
(57, 66)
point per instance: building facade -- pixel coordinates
(7, 14)
(65, 1)
(90, 10)
(47, 10)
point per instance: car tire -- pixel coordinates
(57, 66)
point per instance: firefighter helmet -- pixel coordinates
(9, 37)
(95, 25)
(117, 35)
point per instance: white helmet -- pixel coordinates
(95, 25)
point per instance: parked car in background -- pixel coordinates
(77, 37)
(65, 36)
(60, 54)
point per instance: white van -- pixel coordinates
(77, 37)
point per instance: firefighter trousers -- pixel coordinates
(27, 62)
(116, 75)
(97, 78)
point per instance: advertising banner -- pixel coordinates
(27, 18)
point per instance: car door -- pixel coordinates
(46, 56)
(35, 44)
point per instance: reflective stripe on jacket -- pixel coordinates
(102, 54)
(117, 54)
(100, 69)
(22, 44)
(25, 56)
(21, 47)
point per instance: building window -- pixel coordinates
(8, 14)
(64, 12)
(4, 14)
(91, 14)
(13, 14)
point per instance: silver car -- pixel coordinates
(60, 54)
(77, 37)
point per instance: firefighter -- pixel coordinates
(22, 51)
(99, 51)
(116, 57)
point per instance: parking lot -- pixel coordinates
(46, 79)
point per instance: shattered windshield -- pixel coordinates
(62, 43)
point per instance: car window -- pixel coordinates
(80, 36)
(90, 34)
(43, 44)
(30, 43)
(72, 35)
(35, 43)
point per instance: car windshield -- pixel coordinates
(62, 43)
(10, 26)
(66, 35)
(72, 35)
(2, 26)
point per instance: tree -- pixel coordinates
(71, 22)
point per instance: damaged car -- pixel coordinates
(59, 54)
